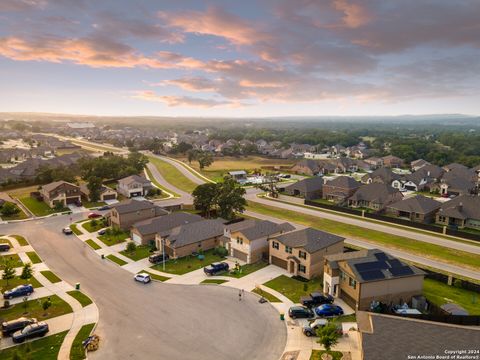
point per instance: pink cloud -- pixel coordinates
(355, 15)
(174, 101)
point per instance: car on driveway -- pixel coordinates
(216, 268)
(315, 299)
(311, 329)
(93, 215)
(102, 232)
(4, 247)
(157, 258)
(30, 331)
(300, 312)
(20, 290)
(328, 310)
(9, 327)
(103, 208)
(67, 231)
(143, 278)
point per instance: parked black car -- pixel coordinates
(30, 331)
(9, 327)
(20, 290)
(4, 247)
(157, 258)
(300, 312)
(316, 299)
(216, 268)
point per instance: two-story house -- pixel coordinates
(105, 193)
(340, 188)
(133, 186)
(61, 192)
(126, 213)
(301, 252)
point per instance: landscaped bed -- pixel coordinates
(34, 309)
(77, 351)
(34, 258)
(13, 258)
(46, 348)
(18, 281)
(317, 355)
(50, 276)
(188, 263)
(214, 281)
(93, 244)
(294, 288)
(80, 297)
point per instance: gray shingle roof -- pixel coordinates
(344, 182)
(310, 239)
(376, 192)
(386, 174)
(55, 184)
(131, 205)
(193, 232)
(134, 179)
(417, 204)
(262, 228)
(307, 185)
(462, 207)
(166, 222)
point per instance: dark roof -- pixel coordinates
(192, 233)
(262, 228)
(386, 174)
(431, 171)
(462, 207)
(378, 265)
(344, 182)
(376, 192)
(455, 166)
(55, 184)
(417, 204)
(419, 163)
(310, 239)
(307, 185)
(131, 205)
(395, 337)
(166, 222)
(133, 179)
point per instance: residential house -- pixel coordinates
(249, 239)
(133, 186)
(337, 150)
(126, 213)
(462, 211)
(61, 192)
(374, 196)
(382, 175)
(309, 189)
(362, 277)
(455, 167)
(340, 189)
(385, 336)
(307, 167)
(374, 162)
(190, 238)
(418, 164)
(452, 184)
(302, 252)
(106, 193)
(392, 161)
(417, 208)
(143, 232)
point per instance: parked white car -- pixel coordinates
(143, 278)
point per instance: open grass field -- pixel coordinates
(293, 288)
(157, 184)
(440, 293)
(172, 175)
(34, 309)
(77, 351)
(46, 348)
(432, 251)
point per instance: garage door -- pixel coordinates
(240, 255)
(279, 262)
(134, 194)
(136, 238)
(109, 197)
(72, 200)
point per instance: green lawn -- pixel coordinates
(266, 295)
(5, 241)
(213, 281)
(77, 351)
(80, 297)
(50, 276)
(293, 288)
(157, 184)
(346, 318)
(248, 269)
(14, 258)
(116, 260)
(172, 175)
(39, 208)
(93, 244)
(93, 204)
(439, 293)
(75, 229)
(113, 239)
(187, 263)
(140, 253)
(46, 348)
(432, 251)
(155, 276)
(93, 228)
(21, 240)
(34, 258)
(317, 355)
(34, 309)
(18, 216)
(18, 281)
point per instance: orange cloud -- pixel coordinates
(354, 14)
(173, 101)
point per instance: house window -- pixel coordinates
(239, 240)
(302, 254)
(288, 249)
(352, 282)
(441, 218)
(302, 268)
(275, 245)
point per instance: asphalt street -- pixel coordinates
(157, 321)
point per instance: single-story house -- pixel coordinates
(301, 252)
(133, 186)
(462, 211)
(417, 208)
(382, 175)
(309, 189)
(374, 196)
(61, 192)
(126, 213)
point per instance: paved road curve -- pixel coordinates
(157, 321)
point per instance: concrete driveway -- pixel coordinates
(157, 321)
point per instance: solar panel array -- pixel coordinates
(373, 270)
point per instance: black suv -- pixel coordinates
(4, 247)
(216, 268)
(316, 299)
(30, 331)
(300, 312)
(157, 258)
(9, 327)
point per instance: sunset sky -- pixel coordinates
(240, 58)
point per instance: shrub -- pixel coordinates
(93, 222)
(6, 304)
(220, 251)
(131, 247)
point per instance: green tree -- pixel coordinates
(94, 186)
(9, 209)
(8, 271)
(204, 197)
(27, 272)
(204, 159)
(131, 247)
(191, 155)
(46, 304)
(328, 336)
(230, 199)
